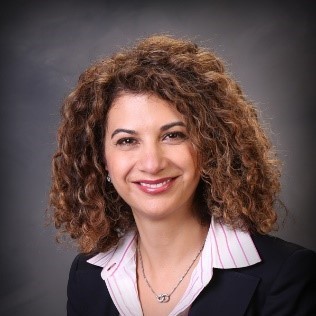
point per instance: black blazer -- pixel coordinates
(283, 283)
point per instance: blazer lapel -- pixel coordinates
(228, 293)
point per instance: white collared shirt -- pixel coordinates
(224, 248)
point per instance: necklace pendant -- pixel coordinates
(163, 298)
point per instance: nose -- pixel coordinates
(151, 158)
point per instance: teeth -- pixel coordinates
(154, 186)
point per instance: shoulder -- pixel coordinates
(287, 276)
(276, 244)
(86, 290)
(276, 252)
(80, 263)
(84, 277)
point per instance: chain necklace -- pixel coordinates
(164, 297)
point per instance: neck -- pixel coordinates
(167, 242)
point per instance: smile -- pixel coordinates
(155, 186)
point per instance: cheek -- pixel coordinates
(109, 159)
(110, 156)
(193, 158)
(187, 160)
(117, 165)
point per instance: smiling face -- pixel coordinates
(149, 156)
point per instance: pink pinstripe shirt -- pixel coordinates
(224, 249)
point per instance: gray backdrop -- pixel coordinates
(45, 45)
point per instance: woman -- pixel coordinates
(169, 185)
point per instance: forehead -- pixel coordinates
(141, 109)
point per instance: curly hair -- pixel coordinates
(240, 174)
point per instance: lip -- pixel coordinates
(155, 186)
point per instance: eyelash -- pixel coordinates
(175, 135)
(171, 136)
(126, 141)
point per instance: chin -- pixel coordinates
(156, 212)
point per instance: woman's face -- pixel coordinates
(149, 156)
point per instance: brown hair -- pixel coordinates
(239, 172)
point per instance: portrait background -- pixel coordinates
(269, 49)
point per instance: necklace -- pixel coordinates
(164, 297)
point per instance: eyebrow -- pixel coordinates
(170, 125)
(162, 128)
(123, 130)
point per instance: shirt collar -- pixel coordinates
(224, 248)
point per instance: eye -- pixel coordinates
(175, 137)
(126, 141)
